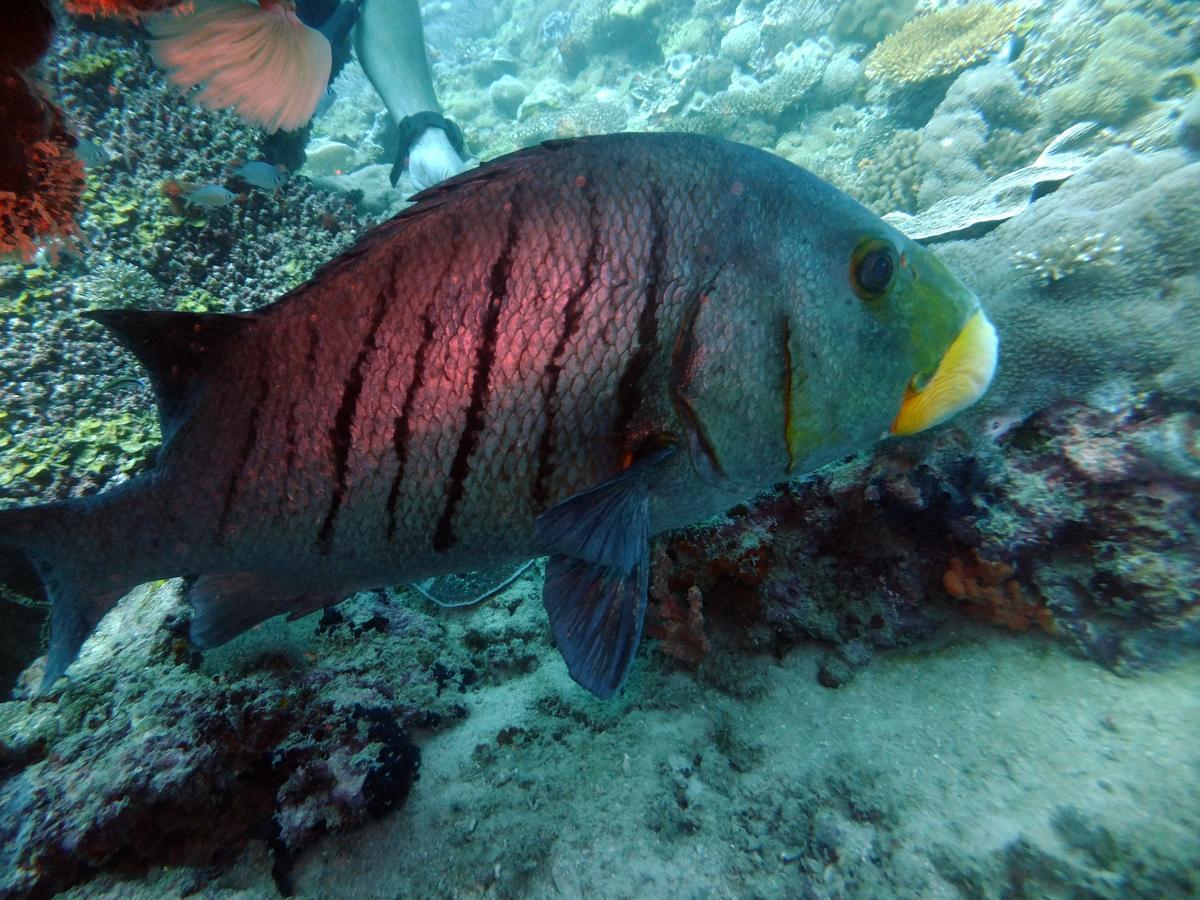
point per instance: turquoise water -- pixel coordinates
(961, 663)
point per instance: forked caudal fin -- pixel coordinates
(36, 560)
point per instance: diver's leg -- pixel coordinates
(390, 43)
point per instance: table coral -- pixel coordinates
(942, 43)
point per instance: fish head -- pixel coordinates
(842, 331)
(884, 340)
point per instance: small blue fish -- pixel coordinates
(326, 101)
(90, 153)
(262, 175)
(210, 195)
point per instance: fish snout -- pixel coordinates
(960, 378)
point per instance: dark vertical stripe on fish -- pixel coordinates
(244, 451)
(629, 390)
(572, 314)
(401, 425)
(401, 429)
(485, 354)
(310, 357)
(341, 434)
(787, 391)
(682, 368)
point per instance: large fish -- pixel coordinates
(560, 353)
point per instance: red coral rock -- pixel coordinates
(41, 180)
(681, 630)
(993, 594)
(125, 9)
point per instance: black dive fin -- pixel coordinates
(175, 347)
(225, 605)
(598, 574)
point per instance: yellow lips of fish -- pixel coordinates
(964, 373)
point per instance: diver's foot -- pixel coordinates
(432, 159)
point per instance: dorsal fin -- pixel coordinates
(175, 347)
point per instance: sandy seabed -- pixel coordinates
(984, 764)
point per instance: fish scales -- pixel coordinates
(589, 258)
(559, 354)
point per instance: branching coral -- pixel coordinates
(1067, 255)
(942, 43)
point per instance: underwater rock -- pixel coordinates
(741, 41)
(507, 93)
(326, 157)
(575, 120)
(372, 186)
(1189, 124)
(1110, 321)
(144, 760)
(1003, 198)
(946, 156)
(548, 95)
(1072, 523)
(995, 93)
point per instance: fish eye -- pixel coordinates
(873, 268)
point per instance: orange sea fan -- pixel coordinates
(260, 61)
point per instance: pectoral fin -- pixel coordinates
(597, 575)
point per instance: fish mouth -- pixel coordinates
(961, 377)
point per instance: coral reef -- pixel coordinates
(1067, 255)
(1118, 79)
(868, 22)
(128, 9)
(199, 761)
(1063, 506)
(942, 42)
(889, 179)
(1055, 526)
(1104, 327)
(41, 180)
(139, 246)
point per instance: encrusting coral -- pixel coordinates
(942, 43)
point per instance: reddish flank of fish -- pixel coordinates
(557, 354)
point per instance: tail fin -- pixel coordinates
(36, 561)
